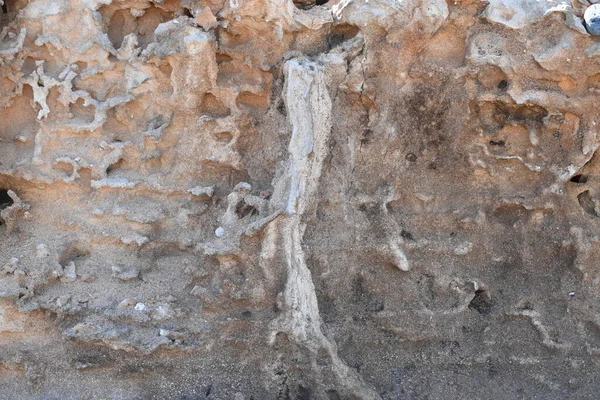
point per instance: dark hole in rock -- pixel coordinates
(494, 115)
(223, 137)
(113, 167)
(281, 337)
(406, 235)
(308, 4)
(7, 15)
(242, 209)
(411, 157)
(526, 306)
(341, 33)
(213, 107)
(73, 252)
(587, 203)
(482, 302)
(389, 207)
(5, 199)
(529, 113)
(252, 101)
(83, 112)
(187, 12)
(122, 22)
(497, 142)
(223, 58)
(367, 134)
(10, 10)
(66, 168)
(281, 108)
(579, 178)
(503, 84)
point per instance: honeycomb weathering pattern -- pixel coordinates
(257, 199)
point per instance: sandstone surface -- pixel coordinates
(269, 199)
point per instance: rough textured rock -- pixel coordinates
(262, 199)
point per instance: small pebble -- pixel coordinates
(62, 301)
(126, 303)
(592, 19)
(42, 250)
(125, 273)
(11, 265)
(69, 273)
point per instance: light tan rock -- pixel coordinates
(273, 199)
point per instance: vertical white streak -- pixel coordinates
(310, 112)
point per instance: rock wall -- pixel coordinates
(262, 199)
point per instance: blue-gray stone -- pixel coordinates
(592, 19)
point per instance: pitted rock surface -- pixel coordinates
(269, 199)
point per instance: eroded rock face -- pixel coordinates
(269, 200)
